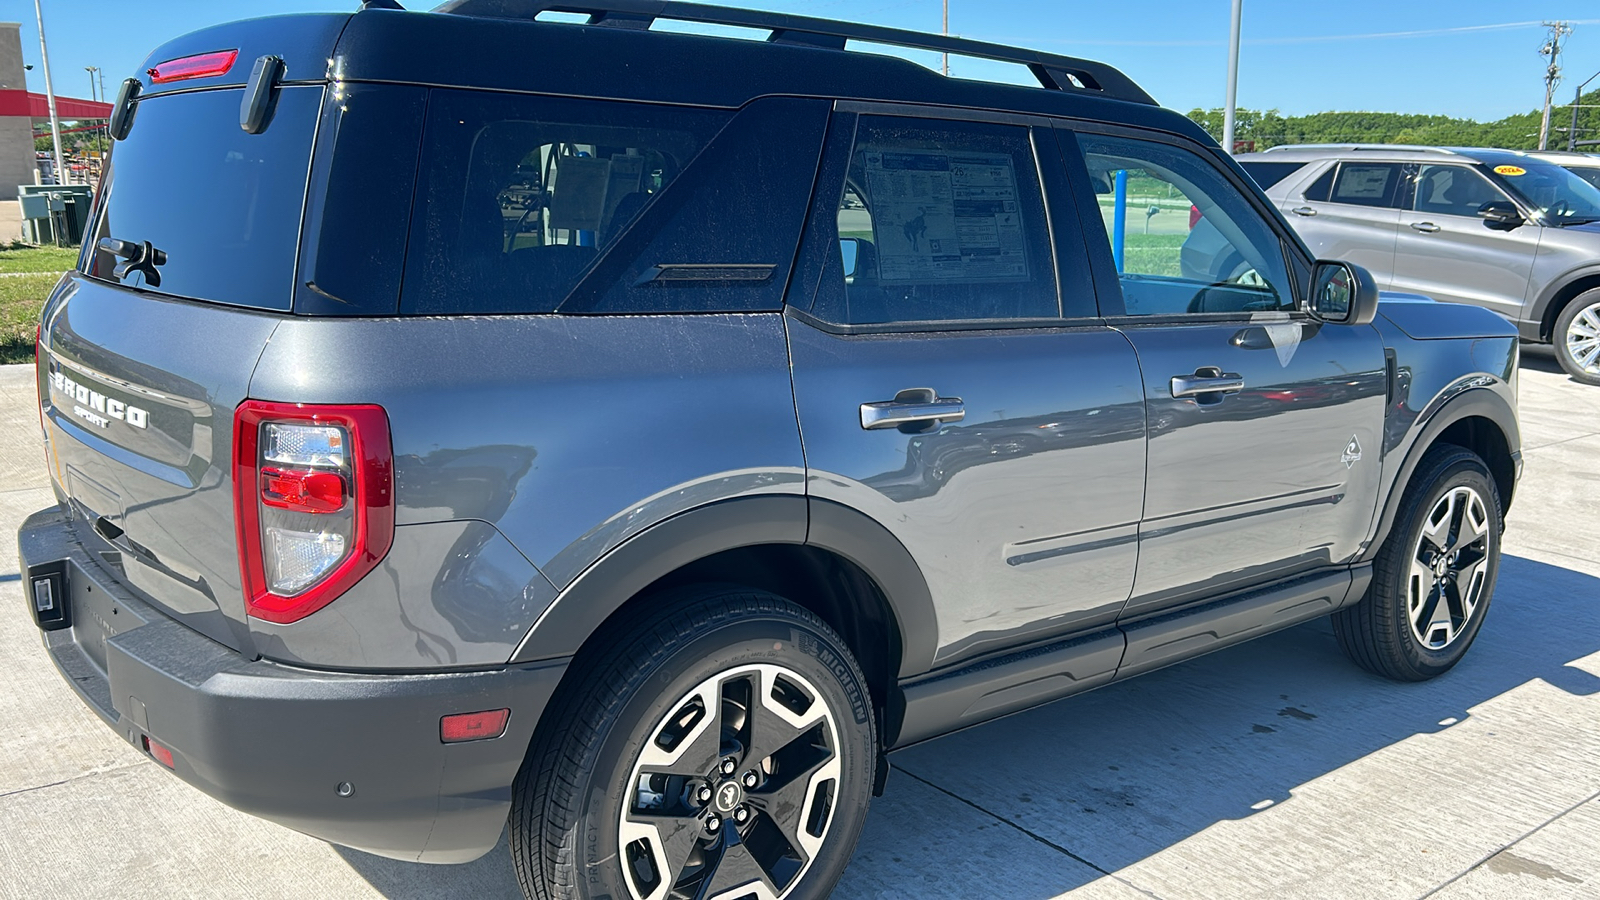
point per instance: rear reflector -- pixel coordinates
(475, 726)
(162, 755)
(201, 65)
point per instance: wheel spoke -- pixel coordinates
(1590, 318)
(671, 841)
(736, 874)
(783, 714)
(1419, 588)
(790, 801)
(690, 742)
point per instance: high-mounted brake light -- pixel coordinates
(313, 500)
(201, 65)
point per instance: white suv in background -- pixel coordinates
(1510, 231)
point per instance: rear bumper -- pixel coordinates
(276, 741)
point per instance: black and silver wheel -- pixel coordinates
(1433, 577)
(1577, 337)
(720, 751)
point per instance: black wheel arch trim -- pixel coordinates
(602, 589)
(1472, 403)
(1544, 312)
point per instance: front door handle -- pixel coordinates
(914, 406)
(1303, 211)
(1207, 380)
(1424, 227)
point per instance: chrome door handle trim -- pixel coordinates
(1424, 227)
(1303, 211)
(1206, 380)
(911, 407)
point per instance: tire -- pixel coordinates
(1414, 624)
(787, 779)
(1577, 337)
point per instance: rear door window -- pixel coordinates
(223, 205)
(1367, 184)
(939, 221)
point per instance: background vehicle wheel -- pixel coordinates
(1577, 337)
(1434, 576)
(722, 748)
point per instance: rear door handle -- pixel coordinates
(1303, 211)
(914, 406)
(1207, 380)
(1424, 227)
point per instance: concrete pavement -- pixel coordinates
(1274, 769)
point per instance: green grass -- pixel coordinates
(27, 274)
(1152, 254)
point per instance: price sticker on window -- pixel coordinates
(1510, 170)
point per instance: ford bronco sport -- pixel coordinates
(513, 413)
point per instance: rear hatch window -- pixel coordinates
(224, 206)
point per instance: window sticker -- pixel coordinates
(1510, 170)
(1359, 183)
(945, 217)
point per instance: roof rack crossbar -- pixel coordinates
(1059, 73)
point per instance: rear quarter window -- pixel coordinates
(1268, 174)
(223, 205)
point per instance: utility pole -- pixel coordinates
(50, 94)
(1552, 75)
(1233, 78)
(946, 55)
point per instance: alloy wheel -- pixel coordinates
(733, 792)
(1583, 339)
(1449, 566)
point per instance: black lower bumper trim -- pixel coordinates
(351, 758)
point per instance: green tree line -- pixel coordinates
(1516, 132)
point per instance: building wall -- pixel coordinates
(16, 132)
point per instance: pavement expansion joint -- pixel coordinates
(1040, 838)
(79, 777)
(1499, 850)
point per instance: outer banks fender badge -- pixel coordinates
(1352, 453)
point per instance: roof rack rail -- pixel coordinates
(1059, 73)
(1378, 148)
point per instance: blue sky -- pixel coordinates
(1463, 57)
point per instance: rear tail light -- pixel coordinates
(314, 502)
(201, 65)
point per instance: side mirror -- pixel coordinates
(1342, 293)
(1500, 213)
(850, 254)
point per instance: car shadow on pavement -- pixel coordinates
(1048, 800)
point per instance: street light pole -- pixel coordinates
(1233, 78)
(50, 94)
(946, 62)
(1577, 98)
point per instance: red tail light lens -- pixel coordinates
(313, 500)
(201, 65)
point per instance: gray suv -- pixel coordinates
(634, 437)
(1513, 232)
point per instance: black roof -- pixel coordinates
(497, 45)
